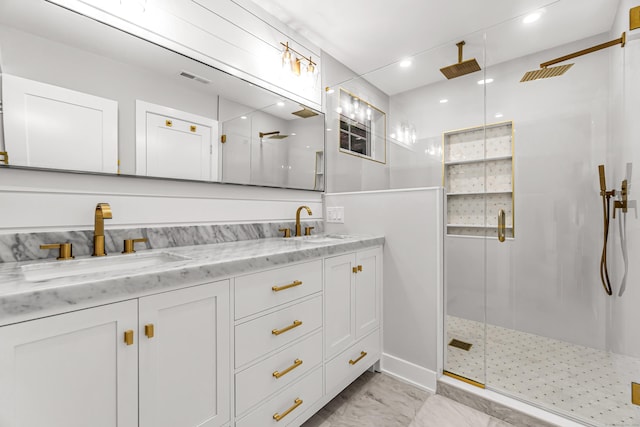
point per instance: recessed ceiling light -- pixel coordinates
(393, 135)
(444, 101)
(328, 129)
(293, 134)
(280, 104)
(243, 117)
(405, 63)
(532, 17)
(486, 81)
(498, 115)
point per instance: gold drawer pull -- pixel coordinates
(128, 337)
(296, 403)
(296, 363)
(290, 285)
(295, 324)
(149, 330)
(362, 356)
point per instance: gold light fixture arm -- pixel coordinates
(286, 46)
(621, 41)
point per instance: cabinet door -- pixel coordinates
(339, 296)
(184, 364)
(71, 370)
(367, 291)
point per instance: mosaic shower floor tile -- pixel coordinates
(581, 382)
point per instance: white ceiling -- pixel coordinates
(368, 36)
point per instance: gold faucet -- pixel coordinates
(103, 211)
(298, 228)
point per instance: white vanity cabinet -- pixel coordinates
(353, 285)
(278, 344)
(71, 370)
(183, 339)
(77, 369)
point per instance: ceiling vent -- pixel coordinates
(195, 77)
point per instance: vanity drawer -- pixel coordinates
(270, 332)
(300, 396)
(257, 382)
(350, 364)
(255, 292)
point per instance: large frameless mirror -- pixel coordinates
(78, 95)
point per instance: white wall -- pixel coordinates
(623, 162)
(411, 221)
(32, 201)
(546, 280)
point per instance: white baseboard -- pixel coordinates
(408, 372)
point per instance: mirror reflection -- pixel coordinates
(80, 95)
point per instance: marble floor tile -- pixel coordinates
(378, 400)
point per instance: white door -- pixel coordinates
(175, 144)
(71, 370)
(339, 296)
(367, 291)
(184, 364)
(47, 126)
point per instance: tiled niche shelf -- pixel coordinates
(478, 179)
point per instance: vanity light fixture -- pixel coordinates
(294, 62)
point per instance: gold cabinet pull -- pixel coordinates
(149, 330)
(290, 285)
(295, 324)
(296, 403)
(168, 123)
(5, 157)
(354, 269)
(128, 337)
(296, 363)
(501, 225)
(359, 268)
(363, 354)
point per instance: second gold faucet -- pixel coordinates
(298, 227)
(103, 211)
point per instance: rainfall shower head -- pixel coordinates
(272, 135)
(545, 72)
(462, 67)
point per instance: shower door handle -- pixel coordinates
(501, 225)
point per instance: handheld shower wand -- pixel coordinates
(606, 196)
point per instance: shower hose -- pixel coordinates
(604, 273)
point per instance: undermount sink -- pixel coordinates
(59, 269)
(320, 238)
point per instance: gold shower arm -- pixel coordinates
(622, 40)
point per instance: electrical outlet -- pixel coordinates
(335, 214)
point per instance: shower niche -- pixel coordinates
(478, 179)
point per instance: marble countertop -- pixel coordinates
(22, 299)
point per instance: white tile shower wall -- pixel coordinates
(623, 153)
(411, 221)
(49, 201)
(546, 280)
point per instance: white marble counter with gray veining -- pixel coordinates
(25, 294)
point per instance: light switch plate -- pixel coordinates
(335, 214)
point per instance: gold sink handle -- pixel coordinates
(66, 250)
(129, 244)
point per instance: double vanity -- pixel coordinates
(246, 333)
